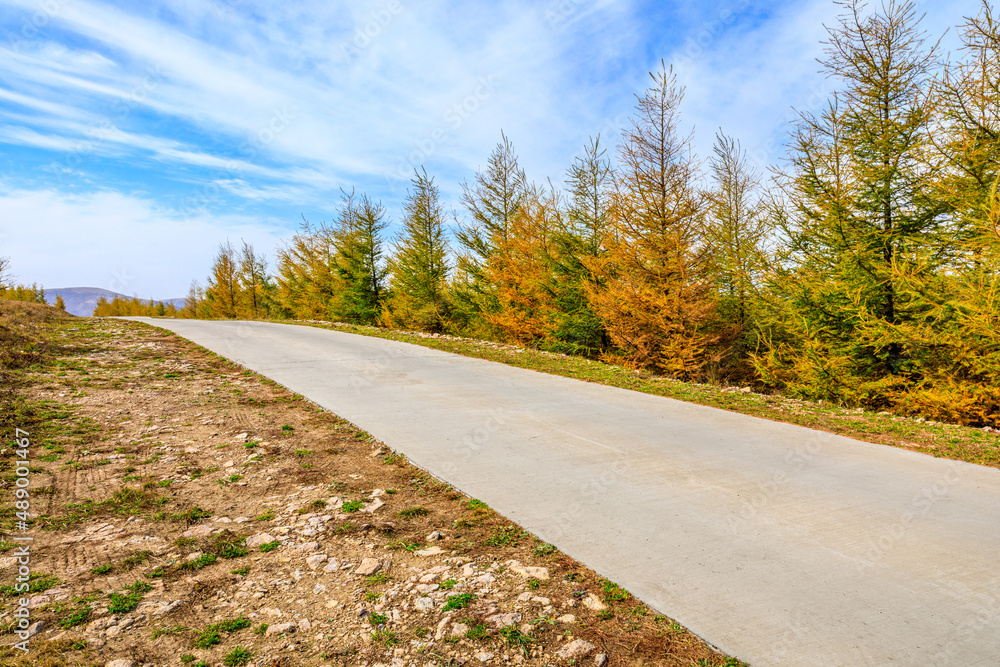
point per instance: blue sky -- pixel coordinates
(135, 137)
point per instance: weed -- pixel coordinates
(509, 536)
(385, 637)
(101, 569)
(514, 637)
(137, 558)
(421, 632)
(352, 506)
(139, 587)
(398, 545)
(378, 619)
(477, 631)
(186, 658)
(261, 629)
(37, 583)
(201, 561)
(371, 596)
(123, 603)
(238, 656)
(378, 578)
(613, 592)
(543, 549)
(448, 584)
(270, 546)
(159, 632)
(301, 453)
(477, 505)
(243, 571)
(458, 601)
(414, 512)
(76, 617)
(392, 458)
(208, 638)
(534, 584)
(266, 516)
(287, 429)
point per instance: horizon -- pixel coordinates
(138, 139)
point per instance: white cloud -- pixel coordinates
(115, 241)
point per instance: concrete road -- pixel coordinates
(778, 544)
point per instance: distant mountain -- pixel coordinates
(82, 300)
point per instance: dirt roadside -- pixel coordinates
(188, 512)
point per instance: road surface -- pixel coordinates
(777, 544)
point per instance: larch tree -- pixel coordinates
(223, 291)
(738, 226)
(580, 238)
(654, 298)
(254, 282)
(60, 303)
(493, 199)
(864, 230)
(360, 261)
(419, 266)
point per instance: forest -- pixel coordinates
(864, 269)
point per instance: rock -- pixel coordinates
(485, 579)
(332, 565)
(319, 588)
(308, 546)
(368, 567)
(432, 551)
(304, 625)
(503, 620)
(199, 531)
(745, 390)
(241, 437)
(194, 556)
(542, 601)
(529, 571)
(567, 618)
(168, 608)
(594, 603)
(375, 504)
(314, 561)
(423, 604)
(35, 628)
(38, 601)
(281, 629)
(435, 536)
(601, 659)
(430, 577)
(228, 464)
(459, 630)
(524, 597)
(427, 588)
(120, 662)
(575, 650)
(484, 656)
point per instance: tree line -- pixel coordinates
(862, 270)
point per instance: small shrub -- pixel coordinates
(238, 656)
(458, 601)
(270, 546)
(123, 603)
(448, 584)
(352, 506)
(414, 512)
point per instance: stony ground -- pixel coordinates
(188, 512)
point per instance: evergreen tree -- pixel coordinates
(864, 231)
(654, 298)
(492, 200)
(738, 226)
(577, 328)
(223, 291)
(419, 267)
(254, 283)
(361, 265)
(60, 304)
